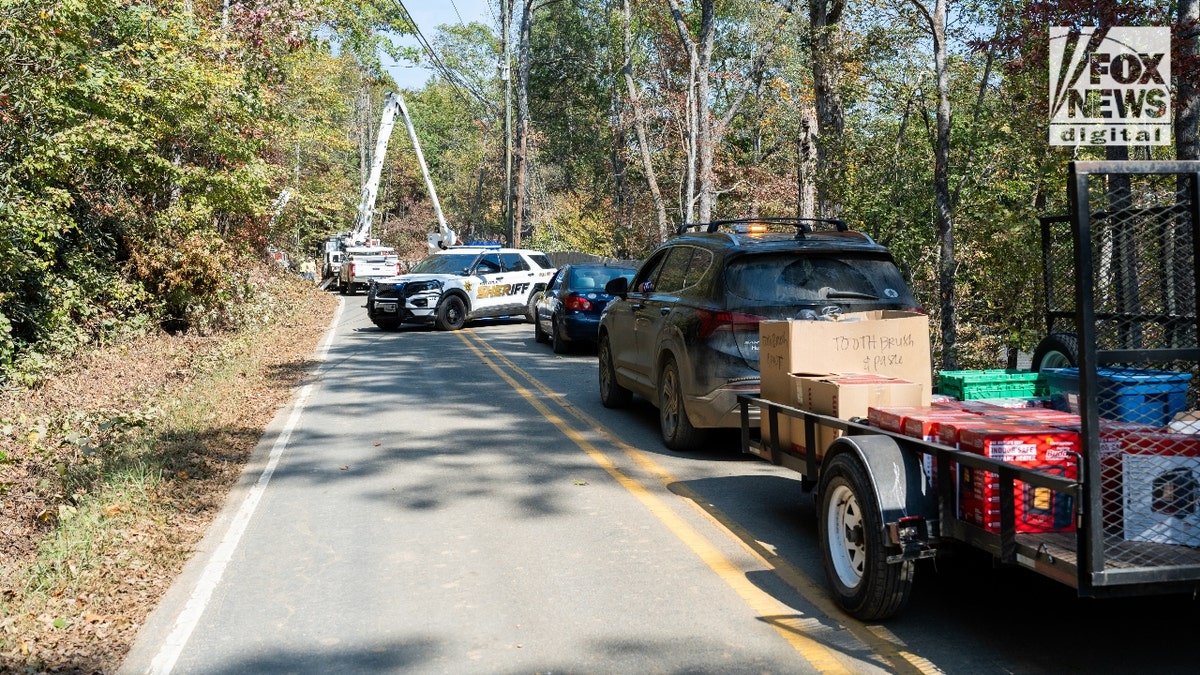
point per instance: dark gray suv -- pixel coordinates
(684, 333)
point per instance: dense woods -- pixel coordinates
(150, 150)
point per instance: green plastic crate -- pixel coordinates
(968, 385)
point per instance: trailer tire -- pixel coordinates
(852, 548)
(451, 313)
(1056, 350)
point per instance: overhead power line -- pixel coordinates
(455, 80)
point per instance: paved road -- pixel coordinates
(460, 502)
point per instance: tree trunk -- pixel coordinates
(943, 203)
(704, 133)
(639, 125)
(825, 17)
(521, 189)
(1187, 138)
(364, 137)
(806, 165)
(692, 107)
(704, 136)
(944, 219)
(616, 154)
(1180, 294)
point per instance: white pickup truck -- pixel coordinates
(365, 263)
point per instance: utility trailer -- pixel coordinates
(1135, 505)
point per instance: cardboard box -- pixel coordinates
(893, 418)
(882, 342)
(1161, 491)
(926, 426)
(1187, 422)
(842, 395)
(1043, 448)
(853, 395)
(1116, 438)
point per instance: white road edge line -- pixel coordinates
(185, 623)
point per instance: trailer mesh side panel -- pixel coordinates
(1138, 369)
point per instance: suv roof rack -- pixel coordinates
(803, 225)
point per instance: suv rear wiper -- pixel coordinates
(834, 293)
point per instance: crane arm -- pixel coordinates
(366, 204)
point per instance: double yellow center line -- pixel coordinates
(794, 627)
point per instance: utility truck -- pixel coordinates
(1101, 493)
(364, 264)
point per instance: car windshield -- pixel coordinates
(594, 278)
(446, 263)
(785, 279)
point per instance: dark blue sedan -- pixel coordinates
(568, 311)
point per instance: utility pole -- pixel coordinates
(513, 236)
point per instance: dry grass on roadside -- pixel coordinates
(111, 472)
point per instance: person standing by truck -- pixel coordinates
(308, 269)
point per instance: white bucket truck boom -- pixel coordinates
(366, 205)
(444, 237)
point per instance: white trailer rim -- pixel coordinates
(844, 530)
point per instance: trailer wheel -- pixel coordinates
(451, 314)
(1056, 350)
(851, 531)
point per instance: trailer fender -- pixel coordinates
(898, 479)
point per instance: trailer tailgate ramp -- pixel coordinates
(1133, 272)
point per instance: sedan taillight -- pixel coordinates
(577, 303)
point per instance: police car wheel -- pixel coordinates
(451, 313)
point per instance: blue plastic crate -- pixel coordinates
(1136, 395)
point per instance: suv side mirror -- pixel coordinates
(618, 287)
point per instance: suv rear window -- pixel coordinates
(541, 260)
(513, 262)
(796, 279)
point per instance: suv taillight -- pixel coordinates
(711, 322)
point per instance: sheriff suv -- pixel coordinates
(459, 284)
(683, 333)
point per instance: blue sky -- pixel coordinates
(429, 14)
